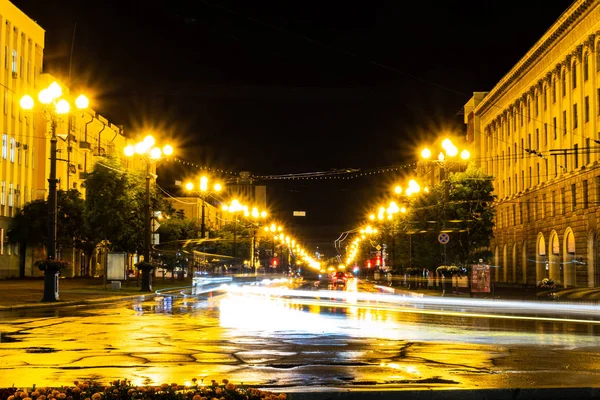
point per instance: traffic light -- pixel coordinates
(274, 262)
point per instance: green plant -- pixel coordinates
(51, 265)
(451, 270)
(547, 283)
(144, 265)
(126, 390)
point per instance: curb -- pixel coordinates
(449, 394)
(75, 302)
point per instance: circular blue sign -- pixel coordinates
(443, 238)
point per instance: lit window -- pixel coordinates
(3, 194)
(4, 145)
(12, 149)
(15, 63)
(11, 200)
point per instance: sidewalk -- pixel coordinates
(580, 295)
(27, 293)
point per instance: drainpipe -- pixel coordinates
(100, 136)
(86, 140)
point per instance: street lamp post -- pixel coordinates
(255, 215)
(449, 152)
(149, 154)
(236, 207)
(53, 107)
(203, 191)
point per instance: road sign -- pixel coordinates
(378, 247)
(299, 213)
(155, 225)
(443, 238)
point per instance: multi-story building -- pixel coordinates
(84, 138)
(536, 132)
(191, 207)
(245, 189)
(21, 47)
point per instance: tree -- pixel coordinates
(230, 236)
(30, 225)
(462, 205)
(114, 206)
(176, 229)
(110, 208)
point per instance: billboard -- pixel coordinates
(480, 278)
(116, 267)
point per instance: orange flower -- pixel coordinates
(230, 386)
(96, 396)
(76, 390)
(24, 394)
(197, 397)
(42, 397)
(218, 390)
(61, 396)
(11, 398)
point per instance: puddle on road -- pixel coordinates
(6, 338)
(40, 350)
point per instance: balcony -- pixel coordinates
(85, 145)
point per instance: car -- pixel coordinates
(339, 279)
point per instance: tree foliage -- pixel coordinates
(30, 225)
(462, 206)
(114, 206)
(177, 229)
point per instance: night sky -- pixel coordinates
(278, 87)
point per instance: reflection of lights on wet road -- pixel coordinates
(266, 316)
(435, 305)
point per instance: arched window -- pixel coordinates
(541, 246)
(570, 243)
(545, 98)
(553, 90)
(585, 66)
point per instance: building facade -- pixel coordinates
(191, 207)
(537, 133)
(84, 138)
(22, 48)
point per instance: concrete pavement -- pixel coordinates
(27, 293)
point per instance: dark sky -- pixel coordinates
(278, 87)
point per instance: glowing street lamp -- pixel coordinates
(150, 154)
(203, 191)
(53, 108)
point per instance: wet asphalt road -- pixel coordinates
(282, 343)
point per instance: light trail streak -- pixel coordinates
(394, 308)
(277, 317)
(497, 305)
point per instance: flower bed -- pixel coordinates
(547, 283)
(125, 390)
